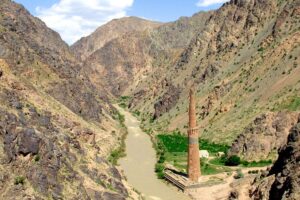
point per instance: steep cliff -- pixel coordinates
(283, 180)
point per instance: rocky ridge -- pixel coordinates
(282, 180)
(120, 63)
(106, 33)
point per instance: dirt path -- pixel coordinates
(140, 161)
(222, 191)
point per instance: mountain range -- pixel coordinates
(58, 124)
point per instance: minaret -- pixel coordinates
(193, 151)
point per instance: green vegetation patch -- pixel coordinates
(19, 180)
(294, 104)
(119, 152)
(261, 163)
(237, 161)
(125, 98)
(173, 148)
(116, 154)
(179, 143)
(291, 104)
(124, 101)
(208, 169)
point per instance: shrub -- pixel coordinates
(260, 49)
(116, 154)
(124, 98)
(137, 113)
(253, 172)
(151, 120)
(162, 159)
(260, 163)
(233, 161)
(239, 174)
(19, 180)
(123, 105)
(37, 158)
(159, 169)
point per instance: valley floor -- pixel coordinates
(139, 165)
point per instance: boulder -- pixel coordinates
(28, 142)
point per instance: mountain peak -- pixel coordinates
(109, 31)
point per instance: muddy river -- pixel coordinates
(139, 164)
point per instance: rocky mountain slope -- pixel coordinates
(244, 63)
(283, 179)
(56, 129)
(120, 63)
(104, 34)
(265, 136)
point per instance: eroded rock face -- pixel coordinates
(36, 154)
(283, 180)
(218, 92)
(167, 101)
(264, 136)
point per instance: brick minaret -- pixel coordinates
(193, 151)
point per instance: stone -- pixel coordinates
(18, 105)
(112, 196)
(234, 195)
(28, 142)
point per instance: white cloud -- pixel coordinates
(74, 19)
(206, 3)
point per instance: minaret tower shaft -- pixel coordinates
(193, 137)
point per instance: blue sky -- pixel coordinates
(74, 19)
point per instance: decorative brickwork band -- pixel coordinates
(193, 140)
(193, 151)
